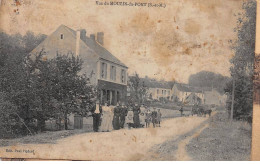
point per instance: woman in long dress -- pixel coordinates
(107, 117)
(142, 115)
(136, 111)
(116, 124)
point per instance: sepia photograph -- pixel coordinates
(136, 80)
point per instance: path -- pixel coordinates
(123, 144)
(181, 153)
(175, 148)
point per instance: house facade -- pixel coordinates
(157, 89)
(180, 92)
(187, 94)
(158, 93)
(192, 99)
(104, 70)
(214, 97)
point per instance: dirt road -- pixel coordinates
(134, 144)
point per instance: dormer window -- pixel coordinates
(61, 36)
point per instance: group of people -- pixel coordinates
(108, 117)
(153, 117)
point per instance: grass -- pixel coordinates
(43, 137)
(222, 140)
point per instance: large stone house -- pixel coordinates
(104, 70)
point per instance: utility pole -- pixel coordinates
(233, 97)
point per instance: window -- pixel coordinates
(168, 92)
(61, 36)
(157, 91)
(113, 73)
(103, 74)
(123, 76)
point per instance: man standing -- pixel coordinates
(147, 118)
(181, 110)
(123, 114)
(96, 114)
(159, 116)
(116, 123)
(154, 117)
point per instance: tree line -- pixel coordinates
(242, 69)
(209, 80)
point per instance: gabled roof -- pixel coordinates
(192, 96)
(187, 88)
(182, 87)
(201, 89)
(98, 48)
(152, 83)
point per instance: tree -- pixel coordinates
(243, 61)
(13, 77)
(71, 90)
(59, 89)
(138, 90)
(209, 79)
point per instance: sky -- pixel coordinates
(171, 43)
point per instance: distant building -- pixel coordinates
(192, 99)
(157, 89)
(213, 97)
(160, 91)
(180, 92)
(104, 70)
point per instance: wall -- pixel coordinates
(53, 44)
(118, 72)
(156, 96)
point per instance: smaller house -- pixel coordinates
(192, 99)
(158, 89)
(213, 97)
(180, 92)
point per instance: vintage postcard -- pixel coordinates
(116, 80)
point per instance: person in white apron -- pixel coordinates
(107, 118)
(129, 120)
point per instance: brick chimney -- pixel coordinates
(100, 38)
(92, 37)
(83, 34)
